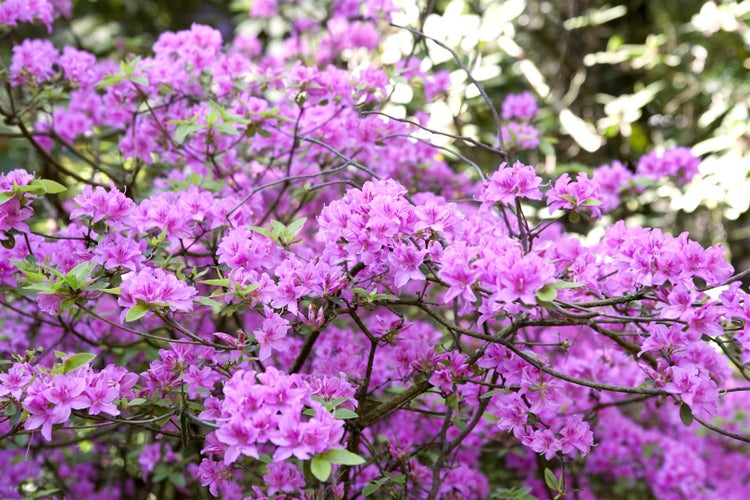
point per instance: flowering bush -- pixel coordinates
(241, 276)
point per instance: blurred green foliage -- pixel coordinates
(639, 75)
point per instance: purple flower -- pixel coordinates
(33, 60)
(12, 217)
(115, 251)
(543, 441)
(149, 457)
(100, 396)
(200, 378)
(78, 65)
(612, 180)
(523, 277)
(521, 106)
(239, 436)
(508, 184)
(213, 474)
(283, 477)
(405, 261)
(263, 8)
(99, 204)
(15, 380)
(51, 401)
(520, 135)
(678, 163)
(695, 389)
(271, 335)
(576, 435)
(577, 196)
(155, 286)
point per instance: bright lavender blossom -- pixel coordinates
(156, 287)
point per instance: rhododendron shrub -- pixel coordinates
(227, 271)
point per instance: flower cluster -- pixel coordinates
(510, 183)
(156, 287)
(678, 163)
(518, 110)
(50, 398)
(13, 12)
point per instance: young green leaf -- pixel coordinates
(77, 276)
(320, 468)
(51, 187)
(344, 414)
(550, 479)
(136, 312)
(294, 228)
(370, 489)
(686, 415)
(76, 361)
(342, 456)
(548, 293)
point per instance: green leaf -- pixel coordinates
(262, 230)
(177, 478)
(336, 401)
(241, 6)
(183, 130)
(140, 80)
(320, 468)
(493, 392)
(398, 479)
(206, 301)
(136, 401)
(44, 288)
(342, 456)
(110, 80)
(5, 196)
(550, 479)
(30, 188)
(309, 412)
(370, 489)
(277, 229)
(686, 415)
(591, 202)
(128, 67)
(548, 293)
(344, 414)
(569, 198)
(559, 285)
(77, 276)
(219, 282)
(51, 187)
(294, 228)
(76, 361)
(226, 128)
(10, 410)
(67, 304)
(136, 312)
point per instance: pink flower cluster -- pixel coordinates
(678, 163)
(517, 111)
(13, 12)
(158, 288)
(50, 398)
